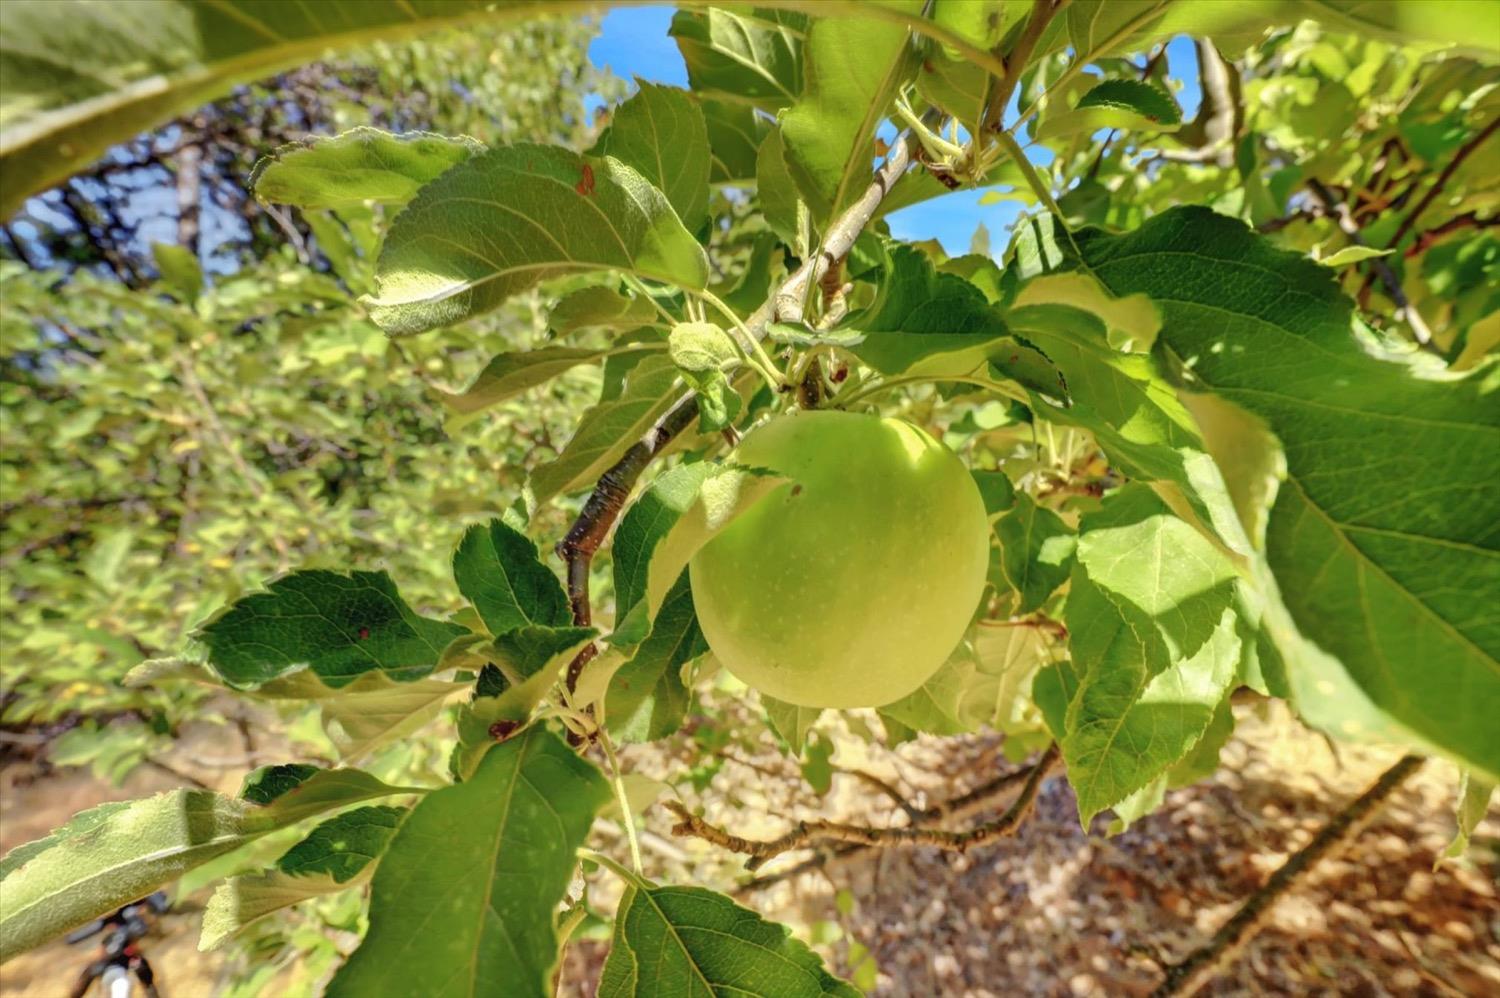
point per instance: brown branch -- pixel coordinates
(1336, 209)
(807, 833)
(1426, 239)
(1188, 975)
(1463, 153)
(1016, 59)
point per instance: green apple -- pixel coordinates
(850, 585)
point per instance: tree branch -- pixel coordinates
(1339, 211)
(1188, 975)
(603, 506)
(1016, 59)
(807, 833)
(1463, 153)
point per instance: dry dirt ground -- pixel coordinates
(1053, 911)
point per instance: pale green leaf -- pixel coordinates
(661, 133)
(509, 374)
(854, 68)
(1152, 631)
(701, 346)
(1353, 254)
(1378, 538)
(745, 56)
(1474, 797)
(118, 853)
(600, 307)
(360, 165)
(504, 220)
(1036, 551)
(691, 941)
(486, 863)
(790, 721)
(649, 519)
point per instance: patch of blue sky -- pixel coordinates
(633, 42)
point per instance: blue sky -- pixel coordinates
(633, 41)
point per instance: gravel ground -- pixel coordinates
(1052, 911)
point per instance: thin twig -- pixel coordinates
(1001, 90)
(1339, 211)
(1188, 975)
(807, 833)
(1463, 153)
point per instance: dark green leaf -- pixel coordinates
(362, 164)
(686, 940)
(483, 865)
(339, 626)
(497, 569)
(267, 783)
(343, 845)
(735, 133)
(660, 132)
(649, 520)
(997, 491)
(516, 215)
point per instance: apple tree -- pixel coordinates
(1220, 422)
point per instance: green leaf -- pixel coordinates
(854, 68)
(179, 270)
(502, 221)
(373, 711)
(647, 698)
(485, 863)
(648, 520)
(672, 535)
(935, 324)
(609, 429)
(339, 626)
(117, 853)
(687, 940)
(267, 783)
(1146, 100)
(790, 721)
(777, 191)
(997, 491)
(1036, 551)
(336, 856)
(745, 56)
(1473, 802)
(360, 165)
(1353, 254)
(1379, 572)
(73, 85)
(497, 569)
(660, 132)
(1152, 630)
(509, 374)
(600, 307)
(735, 133)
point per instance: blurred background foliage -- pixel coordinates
(193, 402)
